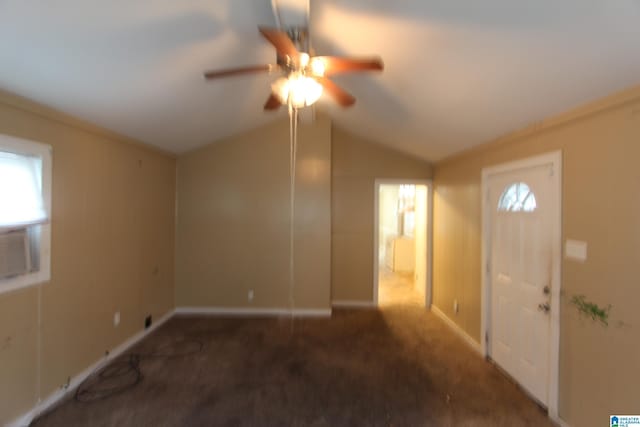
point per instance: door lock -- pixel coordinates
(544, 307)
(546, 290)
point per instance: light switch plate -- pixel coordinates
(575, 250)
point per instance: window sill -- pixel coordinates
(24, 281)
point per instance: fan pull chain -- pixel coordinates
(293, 153)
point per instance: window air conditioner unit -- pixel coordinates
(15, 253)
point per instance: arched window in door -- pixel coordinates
(517, 197)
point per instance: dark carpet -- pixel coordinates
(401, 366)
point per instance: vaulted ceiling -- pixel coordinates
(458, 73)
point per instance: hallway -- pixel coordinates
(397, 289)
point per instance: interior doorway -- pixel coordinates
(402, 251)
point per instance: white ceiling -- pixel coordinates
(458, 73)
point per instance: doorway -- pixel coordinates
(402, 251)
(521, 284)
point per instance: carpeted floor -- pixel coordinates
(400, 366)
(397, 289)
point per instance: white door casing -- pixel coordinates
(522, 282)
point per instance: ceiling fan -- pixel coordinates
(304, 76)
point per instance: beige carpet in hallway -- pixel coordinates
(397, 289)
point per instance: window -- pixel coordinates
(25, 209)
(517, 198)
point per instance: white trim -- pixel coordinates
(429, 290)
(252, 312)
(45, 152)
(555, 159)
(475, 345)
(352, 304)
(376, 191)
(559, 422)
(56, 396)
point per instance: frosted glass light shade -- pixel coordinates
(317, 67)
(297, 89)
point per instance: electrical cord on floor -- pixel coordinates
(119, 376)
(124, 372)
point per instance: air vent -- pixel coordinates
(15, 257)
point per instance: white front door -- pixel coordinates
(520, 202)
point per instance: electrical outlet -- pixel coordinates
(456, 306)
(116, 318)
(250, 295)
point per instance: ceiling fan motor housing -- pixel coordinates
(300, 38)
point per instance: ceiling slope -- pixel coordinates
(457, 73)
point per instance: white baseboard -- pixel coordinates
(25, 419)
(457, 329)
(559, 422)
(352, 304)
(253, 312)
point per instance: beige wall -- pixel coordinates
(112, 249)
(356, 163)
(233, 220)
(599, 373)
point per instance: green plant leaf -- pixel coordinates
(591, 310)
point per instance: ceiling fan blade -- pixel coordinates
(336, 64)
(238, 71)
(280, 40)
(340, 95)
(273, 103)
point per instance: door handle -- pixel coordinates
(544, 307)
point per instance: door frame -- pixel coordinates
(555, 159)
(376, 190)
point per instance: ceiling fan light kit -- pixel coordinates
(297, 90)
